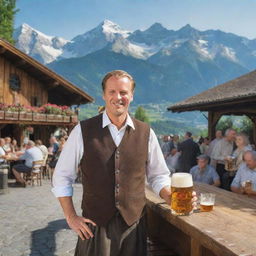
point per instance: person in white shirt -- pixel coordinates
(3, 155)
(116, 237)
(31, 154)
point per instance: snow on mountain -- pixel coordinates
(95, 39)
(206, 45)
(38, 45)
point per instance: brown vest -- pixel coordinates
(113, 177)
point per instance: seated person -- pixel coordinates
(205, 173)
(3, 155)
(246, 172)
(7, 147)
(32, 153)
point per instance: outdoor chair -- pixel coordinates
(35, 174)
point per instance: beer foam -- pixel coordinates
(182, 180)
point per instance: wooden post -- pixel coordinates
(213, 118)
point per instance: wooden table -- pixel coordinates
(230, 229)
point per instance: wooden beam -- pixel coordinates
(2, 50)
(213, 118)
(20, 63)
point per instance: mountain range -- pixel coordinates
(167, 65)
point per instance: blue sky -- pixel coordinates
(68, 18)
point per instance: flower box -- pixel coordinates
(59, 118)
(1, 114)
(39, 117)
(26, 116)
(74, 119)
(9, 115)
(66, 119)
(54, 118)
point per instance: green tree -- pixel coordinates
(141, 114)
(224, 124)
(7, 14)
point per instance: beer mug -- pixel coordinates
(207, 201)
(230, 163)
(181, 197)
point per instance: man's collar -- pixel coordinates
(106, 121)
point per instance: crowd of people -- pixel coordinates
(228, 161)
(19, 159)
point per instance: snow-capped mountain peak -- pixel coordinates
(38, 45)
(110, 28)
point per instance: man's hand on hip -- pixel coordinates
(78, 224)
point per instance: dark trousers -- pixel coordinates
(116, 239)
(225, 179)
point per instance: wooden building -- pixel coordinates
(235, 97)
(25, 81)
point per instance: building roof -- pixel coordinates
(241, 89)
(62, 91)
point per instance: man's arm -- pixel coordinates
(236, 183)
(75, 222)
(63, 178)
(158, 174)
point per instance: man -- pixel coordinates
(115, 152)
(44, 150)
(32, 153)
(189, 152)
(218, 137)
(205, 173)
(167, 146)
(54, 146)
(245, 173)
(3, 155)
(222, 149)
(7, 147)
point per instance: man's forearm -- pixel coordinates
(67, 206)
(237, 190)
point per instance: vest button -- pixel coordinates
(117, 172)
(117, 203)
(117, 185)
(117, 152)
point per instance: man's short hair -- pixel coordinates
(118, 74)
(251, 152)
(204, 157)
(228, 131)
(31, 143)
(189, 134)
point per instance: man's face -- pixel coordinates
(218, 134)
(202, 163)
(118, 95)
(231, 136)
(250, 162)
(2, 142)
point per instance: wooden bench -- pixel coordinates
(230, 229)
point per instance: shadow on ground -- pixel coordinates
(43, 241)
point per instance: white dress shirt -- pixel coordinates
(65, 173)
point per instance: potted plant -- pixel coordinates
(67, 113)
(39, 114)
(12, 111)
(54, 112)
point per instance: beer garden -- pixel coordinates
(230, 229)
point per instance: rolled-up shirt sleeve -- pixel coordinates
(66, 168)
(158, 174)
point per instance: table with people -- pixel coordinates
(19, 160)
(228, 161)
